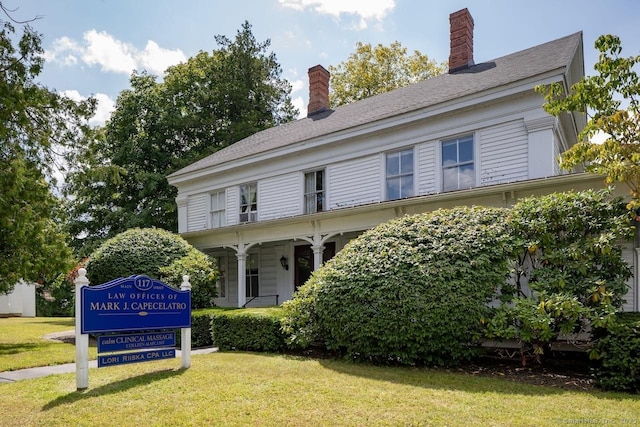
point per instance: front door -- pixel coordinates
(303, 262)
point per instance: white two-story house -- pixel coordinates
(272, 207)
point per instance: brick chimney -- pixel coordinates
(318, 90)
(461, 55)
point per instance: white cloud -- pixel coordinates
(297, 85)
(366, 10)
(105, 106)
(113, 55)
(298, 102)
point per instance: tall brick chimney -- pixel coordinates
(461, 54)
(318, 90)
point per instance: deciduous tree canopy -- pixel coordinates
(372, 70)
(612, 100)
(36, 125)
(207, 103)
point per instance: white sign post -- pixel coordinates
(82, 340)
(185, 333)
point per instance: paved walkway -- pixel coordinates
(43, 371)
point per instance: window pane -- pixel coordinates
(320, 202)
(466, 151)
(450, 179)
(309, 202)
(319, 180)
(467, 176)
(449, 153)
(406, 164)
(309, 182)
(393, 164)
(393, 188)
(407, 186)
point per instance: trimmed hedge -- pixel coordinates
(618, 355)
(247, 330)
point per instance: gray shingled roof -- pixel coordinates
(508, 69)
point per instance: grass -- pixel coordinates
(22, 342)
(239, 389)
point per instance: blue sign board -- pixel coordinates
(132, 304)
(140, 356)
(111, 343)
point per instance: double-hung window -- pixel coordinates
(458, 169)
(218, 209)
(252, 276)
(314, 192)
(399, 174)
(249, 202)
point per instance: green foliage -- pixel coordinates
(373, 70)
(571, 258)
(199, 107)
(32, 242)
(605, 96)
(35, 123)
(618, 357)
(247, 331)
(202, 273)
(413, 290)
(56, 299)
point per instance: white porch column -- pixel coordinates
(242, 278)
(317, 256)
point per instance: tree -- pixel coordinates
(373, 70)
(36, 125)
(604, 97)
(205, 104)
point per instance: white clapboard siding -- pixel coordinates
(632, 294)
(503, 153)
(197, 211)
(355, 182)
(280, 196)
(427, 168)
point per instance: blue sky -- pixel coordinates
(93, 45)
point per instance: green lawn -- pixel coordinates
(22, 342)
(240, 389)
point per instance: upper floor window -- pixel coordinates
(314, 192)
(458, 170)
(400, 174)
(249, 202)
(218, 209)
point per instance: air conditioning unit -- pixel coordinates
(249, 217)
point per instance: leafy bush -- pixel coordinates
(244, 330)
(158, 254)
(413, 290)
(202, 276)
(200, 329)
(570, 274)
(617, 354)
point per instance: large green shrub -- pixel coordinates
(570, 273)
(617, 351)
(158, 254)
(202, 274)
(413, 290)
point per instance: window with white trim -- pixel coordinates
(314, 192)
(458, 168)
(218, 209)
(249, 202)
(399, 174)
(252, 276)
